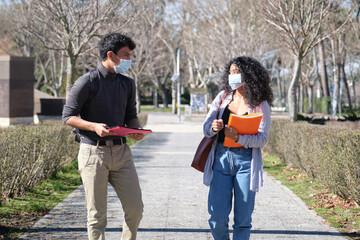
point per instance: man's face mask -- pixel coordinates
(124, 65)
(235, 81)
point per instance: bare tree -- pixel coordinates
(215, 31)
(161, 71)
(310, 75)
(146, 54)
(53, 71)
(169, 35)
(338, 51)
(46, 64)
(275, 71)
(69, 25)
(323, 73)
(300, 23)
(336, 45)
(354, 45)
(15, 15)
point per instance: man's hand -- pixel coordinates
(134, 123)
(101, 129)
(217, 125)
(136, 136)
(231, 133)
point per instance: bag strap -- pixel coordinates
(222, 101)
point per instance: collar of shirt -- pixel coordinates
(106, 72)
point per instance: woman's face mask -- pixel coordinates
(124, 65)
(235, 81)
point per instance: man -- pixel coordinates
(98, 100)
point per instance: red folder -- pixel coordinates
(244, 125)
(124, 131)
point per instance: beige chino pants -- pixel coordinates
(99, 165)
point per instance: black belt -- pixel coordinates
(110, 142)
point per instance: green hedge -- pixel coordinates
(31, 153)
(320, 105)
(330, 154)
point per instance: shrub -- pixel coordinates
(31, 153)
(142, 118)
(320, 105)
(328, 153)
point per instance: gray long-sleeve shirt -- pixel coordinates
(114, 103)
(256, 142)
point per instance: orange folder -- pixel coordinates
(244, 125)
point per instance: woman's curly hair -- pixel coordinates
(256, 80)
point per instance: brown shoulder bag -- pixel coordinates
(203, 150)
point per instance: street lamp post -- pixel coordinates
(178, 84)
(176, 80)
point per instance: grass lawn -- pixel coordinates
(17, 215)
(343, 214)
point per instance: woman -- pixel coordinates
(237, 170)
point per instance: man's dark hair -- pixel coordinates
(256, 78)
(113, 42)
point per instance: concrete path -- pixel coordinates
(176, 200)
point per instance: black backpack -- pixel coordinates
(94, 87)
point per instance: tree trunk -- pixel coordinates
(311, 98)
(280, 93)
(284, 93)
(354, 93)
(346, 85)
(324, 77)
(292, 89)
(137, 94)
(301, 97)
(173, 95)
(164, 98)
(155, 99)
(162, 92)
(138, 103)
(191, 74)
(173, 88)
(70, 74)
(39, 81)
(337, 66)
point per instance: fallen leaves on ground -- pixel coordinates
(343, 210)
(330, 200)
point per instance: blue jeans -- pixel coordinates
(231, 174)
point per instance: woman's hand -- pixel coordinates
(217, 125)
(231, 133)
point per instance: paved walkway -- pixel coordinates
(176, 200)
